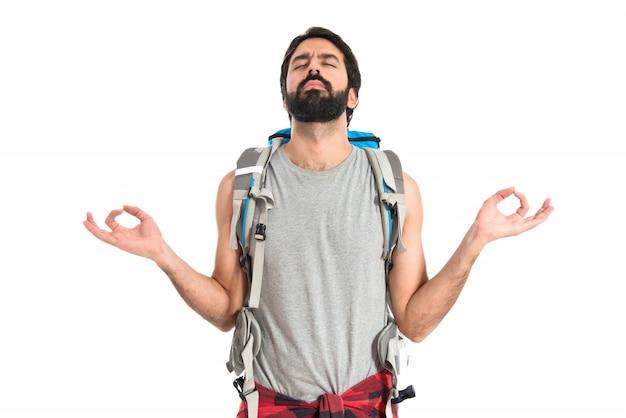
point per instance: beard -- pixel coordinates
(316, 105)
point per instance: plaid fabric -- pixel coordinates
(367, 398)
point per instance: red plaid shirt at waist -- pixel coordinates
(367, 398)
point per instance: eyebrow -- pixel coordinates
(323, 56)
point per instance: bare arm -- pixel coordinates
(420, 304)
(218, 298)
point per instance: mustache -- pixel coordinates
(315, 77)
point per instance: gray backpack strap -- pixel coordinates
(250, 197)
(265, 201)
(250, 193)
(244, 348)
(249, 174)
(389, 179)
(392, 168)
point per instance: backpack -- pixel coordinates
(250, 195)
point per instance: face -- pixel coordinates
(317, 82)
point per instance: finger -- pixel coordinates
(523, 209)
(546, 203)
(110, 220)
(89, 223)
(546, 209)
(136, 212)
(500, 195)
(96, 231)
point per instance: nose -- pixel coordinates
(314, 66)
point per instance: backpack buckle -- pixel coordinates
(238, 384)
(260, 232)
(404, 394)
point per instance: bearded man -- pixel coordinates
(325, 292)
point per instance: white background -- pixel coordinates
(105, 103)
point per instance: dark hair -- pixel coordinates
(352, 67)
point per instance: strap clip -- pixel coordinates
(404, 394)
(260, 232)
(238, 384)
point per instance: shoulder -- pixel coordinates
(228, 179)
(225, 195)
(412, 198)
(227, 183)
(409, 182)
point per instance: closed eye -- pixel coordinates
(330, 59)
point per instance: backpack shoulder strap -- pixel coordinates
(248, 194)
(389, 178)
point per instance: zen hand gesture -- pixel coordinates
(492, 224)
(144, 239)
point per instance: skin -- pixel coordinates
(419, 303)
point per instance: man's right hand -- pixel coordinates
(144, 239)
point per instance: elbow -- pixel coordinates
(417, 337)
(416, 333)
(225, 325)
(222, 323)
(414, 338)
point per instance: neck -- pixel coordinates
(318, 146)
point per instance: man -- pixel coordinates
(323, 300)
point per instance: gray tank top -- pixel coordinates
(323, 299)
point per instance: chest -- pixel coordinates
(327, 211)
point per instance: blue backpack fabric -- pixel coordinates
(357, 138)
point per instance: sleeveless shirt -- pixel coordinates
(323, 298)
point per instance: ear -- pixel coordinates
(353, 98)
